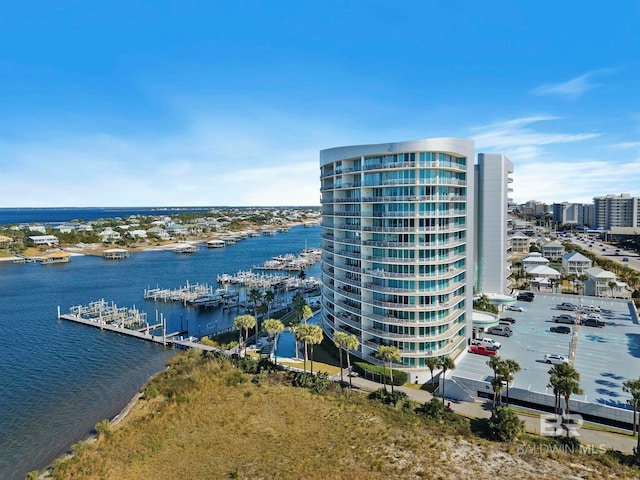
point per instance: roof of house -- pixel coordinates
(544, 270)
(575, 257)
(598, 272)
(553, 244)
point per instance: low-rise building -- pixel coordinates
(533, 260)
(603, 283)
(552, 250)
(575, 262)
(44, 240)
(519, 243)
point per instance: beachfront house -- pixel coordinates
(44, 240)
(108, 235)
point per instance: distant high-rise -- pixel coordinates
(398, 244)
(616, 211)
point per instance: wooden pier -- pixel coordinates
(174, 339)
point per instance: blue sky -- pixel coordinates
(131, 103)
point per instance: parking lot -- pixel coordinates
(604, 357)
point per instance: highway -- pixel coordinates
(606, 250)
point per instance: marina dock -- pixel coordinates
(106, 316)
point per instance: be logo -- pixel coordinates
(553, 425)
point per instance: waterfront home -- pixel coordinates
(44, 240)
(64, 228)
(109, 235)
(37, 228)
(137, 234)
(5, 241)
(159, 232)
(177, 229)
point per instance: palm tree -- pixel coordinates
(315, 338)
(340, 340)
(303, 334)
(612, 286)
(564, 380)
(510, 367)
(432, 363)
(583, 277)
(495, 363)
(269, 297)
(273, 328)
(633, 387)
(446, 363)
(297, 304)
(306, 313)
(352, 343)
(255, 295)
(244, 322)
(388, 353)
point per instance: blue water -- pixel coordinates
(9, 216)
(60, 378)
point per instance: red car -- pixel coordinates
(482, 350)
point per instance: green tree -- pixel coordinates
(557, 375)
(446, 363)
(633, 387)
(306, 313)
(612, 286)
(340, 341)
(244, 322)
(505, 425)
(273, 328)
(297, 304)
(494, 363)
(509, 369)
(303, 334)
(388, 353)
(315, 338)
(432, 363)
(269, 298)
(255, 296)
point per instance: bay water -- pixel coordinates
(59, 378)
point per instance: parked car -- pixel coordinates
(567, 306)
(508, 320)
(482, 350)
(564, 318)
(556, 359)
(487, 342)
(560, 329)
(502, 330)
(514, 308)
(525, 297)
(625, 259)
(590, 309)
(592, 321)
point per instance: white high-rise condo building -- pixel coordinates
(491, 206)
(398, 247)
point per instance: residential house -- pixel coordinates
(109, 235)
(535, 259)
(603, 283)
(552, 250)
(575, 262)
(519, 243)
(42, 240)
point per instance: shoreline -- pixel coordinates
(92, 437)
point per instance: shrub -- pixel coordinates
(103, 428)
(377, 372)
(504, 424)
(315, 383)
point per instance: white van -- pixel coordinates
(590, 309)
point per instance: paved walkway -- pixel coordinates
(592, 436)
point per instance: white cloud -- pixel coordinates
(627, 145)
(570, 89)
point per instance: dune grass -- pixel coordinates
(205, 419)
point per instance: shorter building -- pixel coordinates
(602, 283)
(519, 244)
(535, 259)
(543, 277)
(37, 228)
(137, 233)
(575, 262)
(109, 235)
(44, 240)
(64, 228)
(552, 250)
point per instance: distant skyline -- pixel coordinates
(229, 102)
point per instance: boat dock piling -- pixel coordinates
(88, 317)
(186, 294)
